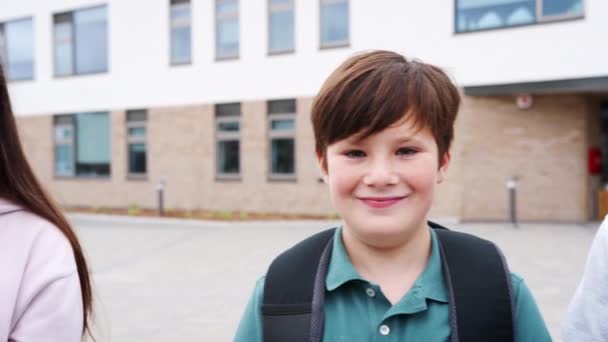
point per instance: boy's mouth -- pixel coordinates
(381, 202)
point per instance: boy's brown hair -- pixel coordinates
(371, 91)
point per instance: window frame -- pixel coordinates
(280, 8)
(226, 17)
(171, 26)
(4, 49)
(71, 13)
(74, 143)
(282, 134)
(539, 20)
(227, 136)
(337, 44)
(64, 142)
(136, 140)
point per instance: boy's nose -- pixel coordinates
(380, 173)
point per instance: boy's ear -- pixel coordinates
(443, 168)
(322, 166)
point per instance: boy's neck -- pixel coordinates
(394, 268)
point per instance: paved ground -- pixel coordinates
(167, 280)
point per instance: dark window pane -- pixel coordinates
(281, 31)
(19, 48)
(563, 7)
(475, 15)
(232, 126)
(91, 40)
(137, 115)
(334, 23)
(64, 119)
(225, 109)
(228, 157)
(282, 156)
(281, 106)
(92, 169)
(137, 158)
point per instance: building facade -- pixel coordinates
(212, 98)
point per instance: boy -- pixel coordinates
(383, 128)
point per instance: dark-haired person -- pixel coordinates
(45, 292)
(383, 127)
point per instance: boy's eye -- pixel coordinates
(354, 154)
(406, 151)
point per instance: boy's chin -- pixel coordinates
(385, 231)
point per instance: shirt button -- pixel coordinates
(384, 330)
(370, 292)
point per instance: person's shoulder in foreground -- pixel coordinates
(383, 128)
(529, 324)
(587, 316)
(45, 292)
(40, 289)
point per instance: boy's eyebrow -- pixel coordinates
(404, 140)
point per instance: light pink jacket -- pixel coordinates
(40, 297)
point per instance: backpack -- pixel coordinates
(476, 274)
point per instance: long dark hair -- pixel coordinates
(19, 184)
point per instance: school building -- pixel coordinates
(212, 98)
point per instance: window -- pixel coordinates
(82, 145)
(17, 49)
(81, 41)
(280, 26)
(228, 121)
(475, 15)
(64, 145)
(181, 32)
(334, 23)
(281, 128)
(226, 29)
(136, 142)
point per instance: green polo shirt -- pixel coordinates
(356, 309)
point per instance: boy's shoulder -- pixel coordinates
(295, 283)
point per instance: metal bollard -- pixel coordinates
(512, 189)
(160, 189)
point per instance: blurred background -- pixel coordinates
(185, 107)
(212, 99)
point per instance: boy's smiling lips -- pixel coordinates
(380, 202)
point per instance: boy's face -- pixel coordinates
(383, 185)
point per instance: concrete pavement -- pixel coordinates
(175, 280)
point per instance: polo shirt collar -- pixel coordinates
(340, 270)
(430, 283)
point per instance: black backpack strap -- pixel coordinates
(477, 277)
(479, 286)
(294, 291)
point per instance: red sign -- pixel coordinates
(594, 161)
